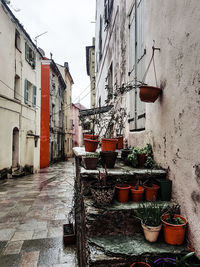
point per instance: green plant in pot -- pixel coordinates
(150, 216)
(90, 160)
(151, 189)
(174, 226)
(102, 192)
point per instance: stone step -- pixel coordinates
(124, 250)
(116, 218)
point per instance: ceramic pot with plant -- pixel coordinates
(151, 190)
(178, 261)
(174, 226)
(137, 193)
(91, 145)
(123, 192)
(150, 216)
(108, 144)
(108, 158)
(91, 136)
(90, 160)
(102, 192)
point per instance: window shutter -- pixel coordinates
(140, 61)
(137, 42)
(34, 95)
(26, 92)
(26, 52)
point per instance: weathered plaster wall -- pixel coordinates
(172, 122)
(13, 110)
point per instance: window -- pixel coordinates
(72, 125)
(100, 39)
(108, 6)
(30, 55)
(17, 87)
(17, 40)
(137, 53)
(65, 122)
(110, 83)
(30, 93)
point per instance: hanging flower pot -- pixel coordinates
(137, 193)
(90, 145)
(149, 94)
(151, 192)
(174, 234)
(140, 264)
(108, 158)
(123, 192)
(108, 144)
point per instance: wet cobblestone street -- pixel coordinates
(33, 210)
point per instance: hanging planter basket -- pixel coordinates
(149, 94)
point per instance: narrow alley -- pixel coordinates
(33, 210)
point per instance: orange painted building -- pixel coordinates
(52, 134)
(45, 98)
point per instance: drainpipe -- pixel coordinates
(135, 64)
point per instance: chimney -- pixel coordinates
(66, 65)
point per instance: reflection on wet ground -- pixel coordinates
(33, 210)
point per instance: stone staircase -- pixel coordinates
(112, 235)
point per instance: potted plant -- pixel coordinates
(137, 193)
(120, 117)
(174, 226)
(69, 235)
(123, 192)
(142, 157)
(150, 216)
(108, 158)
(90, 160)
(149, 94)
(178, 261)
(91, 145)
(102, 192)
(151, 190)
(140, 264)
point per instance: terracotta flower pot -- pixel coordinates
(122, 192)
(91, 136)
(151, 192)
(108, 144)
(90, 163)
(137, 194)
(90, 145)
(149, 94)
(140, 264)
(108, 158)
(120, 144)
(151, 233)
(174, 234)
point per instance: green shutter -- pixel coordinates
(26, 92)
(34, 95)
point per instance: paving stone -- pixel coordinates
(6, 234)
(29, 259)
(10, 260)
(38, 234)
(55, 232)
(23, 235)
(13, 247)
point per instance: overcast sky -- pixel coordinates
(69, 31)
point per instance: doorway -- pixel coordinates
(15, 148)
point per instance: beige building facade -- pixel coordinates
(124, 36)
(20, 83)
(68, 123)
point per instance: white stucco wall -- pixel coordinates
(172, 122)
(13, 110)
